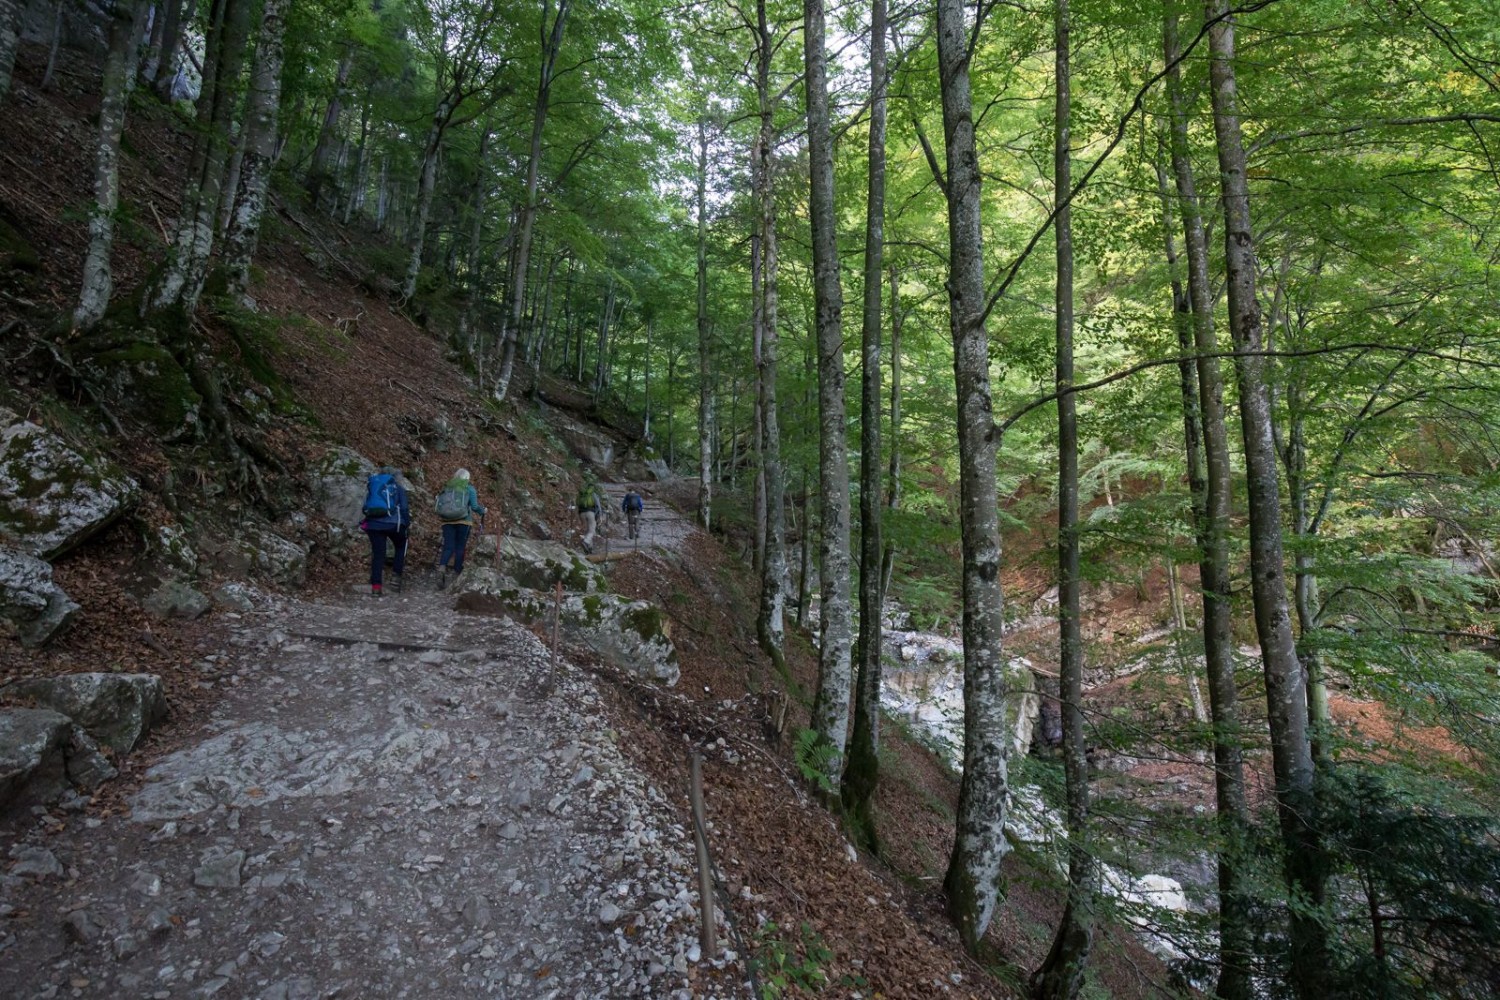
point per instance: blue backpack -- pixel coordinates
(633, 503)
(382, 497)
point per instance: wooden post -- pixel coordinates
(709, 936)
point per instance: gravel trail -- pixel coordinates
(392, 800)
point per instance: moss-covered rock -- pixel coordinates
(52, 496)
(633, 635)
(338, 485)
(31, 605)
(145, 378)
(117, 709)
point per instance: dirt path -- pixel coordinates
(384, 805)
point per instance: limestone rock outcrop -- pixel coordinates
(31, 604)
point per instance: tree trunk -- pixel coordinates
(259, 143)
(179, 13)
(355, 202)
(1235, 938)
(551, 45)
(55, 46)
(863, 772)
(1062, 973)
(979, 844)
(10, 41)
(1286, 691)
(321, 180)
(705, 343)
(430, 152)
(830, 715)
(893, 473)
(98, 280)
(182, 279)
(770, 623)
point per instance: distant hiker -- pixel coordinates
(590, 510)
(456, 503)
(632, 505)
(387, 522)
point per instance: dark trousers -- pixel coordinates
(378, 541)
(455, 541)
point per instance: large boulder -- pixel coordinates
(42, 753)
(633, 635)
(32, 605)
(259, 551)
(338, 485)
(52, 497)
(540, 565)
(175, 599)
(117, 709)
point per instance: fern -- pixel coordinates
(814, 757)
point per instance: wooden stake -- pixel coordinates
(709, 937)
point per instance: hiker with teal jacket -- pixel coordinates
(457, 503)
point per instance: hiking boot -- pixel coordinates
(374, 590)
(396, 582)
(443, 579)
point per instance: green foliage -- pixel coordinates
(798, 964)
(813, 757)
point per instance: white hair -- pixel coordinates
(461, 474)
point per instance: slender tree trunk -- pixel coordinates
(863, 773)
(830, 715)
(1305, 586)
(321, 179)
(804, 556)
(705, 343)
(1061, 975)
(361, 177)
(1286, 690)
(552, 37)
(979, 844)
(1236, 943)
(98, 280)
(770, 622)
(10, 40)
(260, 135)
(178, 14)
(425, 191)
(182, 279)
(893, 474)
(55, 46)
(157, 25)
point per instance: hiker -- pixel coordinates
(632, 505)
(387, 522)
(590, 510)
(456, 503)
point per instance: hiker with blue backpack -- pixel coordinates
(456, 503)
(632, 505)
(387, 522)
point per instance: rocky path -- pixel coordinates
(662, 527)
(392, 800)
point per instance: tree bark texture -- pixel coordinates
(1286, 690)
(830, 716)
(705, 343)
(431, 151)
(10, 41)
(893, 447)
(260, 136)
(178, 14)
(1233, 815)
(1062, 974)
(98, 277)
(321, 175)
(552, 38)
(862, 774)
(979, 844)
(770, 624)
(182, 279)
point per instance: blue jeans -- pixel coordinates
(378, 541)
(455, 541)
